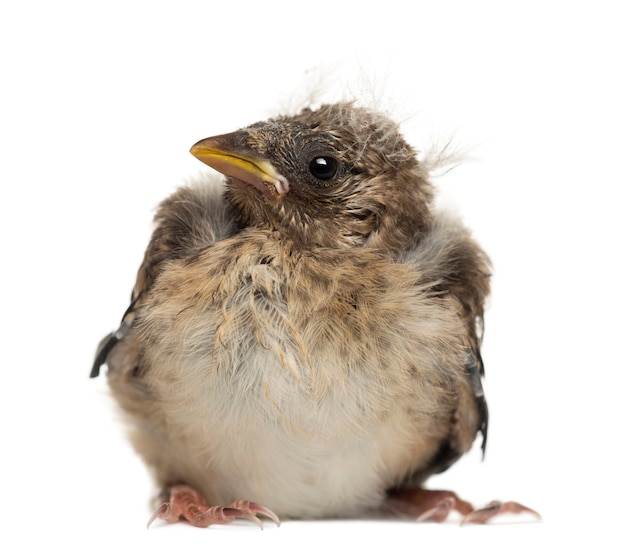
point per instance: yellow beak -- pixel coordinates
(229, 155)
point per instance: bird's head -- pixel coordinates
(339, 176)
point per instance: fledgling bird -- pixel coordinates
(303, 340)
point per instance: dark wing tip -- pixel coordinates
(484, 414)
(108, 342)
(106, 345)
(476, 370)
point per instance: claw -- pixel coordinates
(253, 509)
(495, 508)
(438, 512)
(160, 512)
(232, 512)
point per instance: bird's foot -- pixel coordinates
(495, 508)
(183, 503)
(435, 506)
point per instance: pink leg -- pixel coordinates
(183, 503)
(435, 506)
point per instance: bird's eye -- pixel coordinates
(324, 168)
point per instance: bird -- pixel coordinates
(303, 338)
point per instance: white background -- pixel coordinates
(99, 104)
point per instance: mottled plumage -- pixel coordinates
(305, 335)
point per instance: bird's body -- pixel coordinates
(307, 342)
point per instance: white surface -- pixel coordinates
(99, 105)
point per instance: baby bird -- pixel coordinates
(303, 339)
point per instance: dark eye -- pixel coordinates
(324, 168)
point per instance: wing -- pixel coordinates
(450, 260)
(191, 219)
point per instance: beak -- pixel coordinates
(230, 155)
